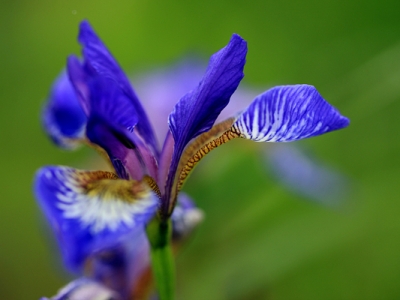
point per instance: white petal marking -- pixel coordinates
(94, 211)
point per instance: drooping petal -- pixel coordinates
(197, 111)
(110, 126)
(306, 176)
(63, 117)
(84, 289)
(288, 113)
(91, 211)
(98, 60)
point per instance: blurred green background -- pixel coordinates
(258, 240)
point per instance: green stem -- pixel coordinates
(159, 234)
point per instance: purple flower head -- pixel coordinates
(96, 213)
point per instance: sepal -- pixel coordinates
(91, 211)
(288, 113)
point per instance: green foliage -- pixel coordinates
(257, 241)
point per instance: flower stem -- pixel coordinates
(159, 234)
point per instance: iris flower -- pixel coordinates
(94, 213)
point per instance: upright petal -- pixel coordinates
(288, 113)
(91, 211)
(63, 117)
(110, 126)
(197, 111)
(98, 60)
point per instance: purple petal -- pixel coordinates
(288, 113)
(84, 289)
(63, 117)
(91, 211)
(109, 120)
(108, 100)
(304, 175)
(197, 111)
(79, 78)
(99, 60)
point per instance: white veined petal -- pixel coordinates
(288, 113)
(98, 209)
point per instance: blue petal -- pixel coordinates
(98, 60)
(288, 113)
(110, 125)
(91, 211)
(63, 117)
(108, 100)
(197, 111)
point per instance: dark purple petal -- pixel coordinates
(91, 211)
(63, 117)
(197, 111)
(109, 127)
(108, 100)
(80, 78)
(288, 113)
(97, 59)
(128, 154)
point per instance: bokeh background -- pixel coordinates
(259, 240)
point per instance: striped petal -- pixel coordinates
(63, 117)
(288, 113)
(91, 211)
